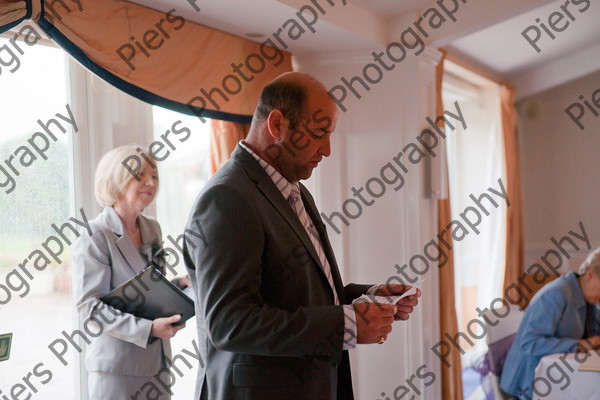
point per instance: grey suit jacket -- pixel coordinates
(267, 324)
(101, 262)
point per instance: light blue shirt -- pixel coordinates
(553, 323)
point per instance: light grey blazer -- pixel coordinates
(101, 262)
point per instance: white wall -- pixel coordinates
(560, 166)
(373, 131)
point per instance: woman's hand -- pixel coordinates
(184, 282)
(163, 327)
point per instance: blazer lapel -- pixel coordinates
(267, 187)
(124, 244)
(313, 213)
(149, 235)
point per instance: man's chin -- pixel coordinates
(306, 173)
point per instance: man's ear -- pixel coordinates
(276, 124)
(588, 275)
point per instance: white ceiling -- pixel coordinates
(487, 34)
(392, 8)
(501, 48)
(241, 17)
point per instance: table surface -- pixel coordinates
(557, 377)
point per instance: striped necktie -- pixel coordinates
(296, 202)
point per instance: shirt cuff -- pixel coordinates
(373, 289)
(350, 330)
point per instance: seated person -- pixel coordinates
(554, 322)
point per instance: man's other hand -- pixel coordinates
(406, 305)
(373, 321)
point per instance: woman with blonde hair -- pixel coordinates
(129, 351)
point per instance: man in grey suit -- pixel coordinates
(274, 319)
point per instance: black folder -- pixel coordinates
(150, 295)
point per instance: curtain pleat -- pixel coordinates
(224, 136)
(451, 376)
(514, 213)
(11, 13)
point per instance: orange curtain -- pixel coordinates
(14, 11)
(451, 376)
(514, 250)
(188, 63)
(11, 11)
(224, 135)
(514, 213)
(159, 57)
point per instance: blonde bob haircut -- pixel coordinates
(115, 170)
(591, 263)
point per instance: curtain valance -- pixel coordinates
(158, 57)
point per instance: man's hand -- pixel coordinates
(406, 305)
(163, 327)
(373, 321)
(589, 344)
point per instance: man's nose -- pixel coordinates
(325, 148)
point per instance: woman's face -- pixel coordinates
(591, 289)
(140, 192)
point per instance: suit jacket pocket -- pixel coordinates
(276, 374)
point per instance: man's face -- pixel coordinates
(305, 146)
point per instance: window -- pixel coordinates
(183, 173)
(40, 187)
(475, 163)
(34, 195)
(185, 169)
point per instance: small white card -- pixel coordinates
(369, 298)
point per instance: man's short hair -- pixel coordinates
(287, 97)
(111, 175)
(592, 262)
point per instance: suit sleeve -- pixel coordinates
(227, 266)
(353, 291)
(92, 275)
(539, 335)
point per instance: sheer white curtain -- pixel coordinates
(475, 163)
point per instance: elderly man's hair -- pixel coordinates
(285, 96)
(592, 262)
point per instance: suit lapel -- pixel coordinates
(283, 207)
(124, 244)
(271, 192)
(313, 213)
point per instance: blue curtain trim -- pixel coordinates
(131, 89)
